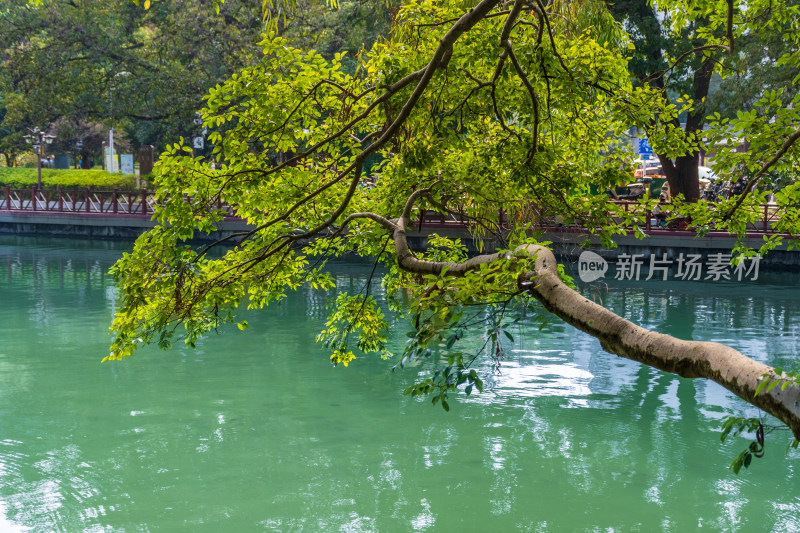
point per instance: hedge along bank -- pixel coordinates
(52, 179)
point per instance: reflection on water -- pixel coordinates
(256, 432)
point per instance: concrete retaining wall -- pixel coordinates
(94, 226)
(566, 244)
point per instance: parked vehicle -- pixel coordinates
(648, 171)
(738, 186)
(643, 179)
(716, 191)
(630, 191)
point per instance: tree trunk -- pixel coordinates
(85, 162)
(683, 173)
(649, 67)
(683, 176)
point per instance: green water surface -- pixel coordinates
(255, 431)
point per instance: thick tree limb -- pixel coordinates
(385, 222)
(690, 359)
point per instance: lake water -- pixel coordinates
(255, 431)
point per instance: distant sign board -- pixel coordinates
(111, 165)
(644, 147)
(61, 161)
(145, 160)
(126, 163)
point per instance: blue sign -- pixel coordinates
(644, 146)
(126, 163)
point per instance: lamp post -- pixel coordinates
(39, 150)
(39, 159)
(111, 150)
(111, 129)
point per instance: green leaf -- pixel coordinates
(761, 386)
(451, 341)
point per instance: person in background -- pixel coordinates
(659, 213)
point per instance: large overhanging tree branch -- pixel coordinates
(689, 359)
(447, 114)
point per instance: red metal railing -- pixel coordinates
(75, 201)
(141, 202)
(540, 219)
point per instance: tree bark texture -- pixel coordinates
(683, 176)
(690, 359)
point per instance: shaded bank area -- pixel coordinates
(100, 226)
(568, 244)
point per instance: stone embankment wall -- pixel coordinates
(566, 244)
(94, 226)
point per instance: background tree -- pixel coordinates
(681, 52)
(14, 127)
(679, 63)
(145, 72)
(79, 139)
(348, 27)
(110, 62)
(755, 69)
(471, 109)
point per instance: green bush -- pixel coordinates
(52, 179)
